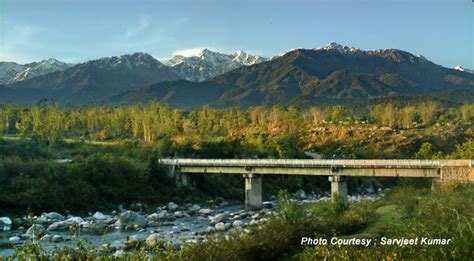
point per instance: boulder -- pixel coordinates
(57, 238)
(60, 225)
(237, 224)
(46, 237)
(99, 216)
(5, 223)
(53, 216)
(35, 230)
(210, 229)
(14, 239)
(300, 194)
(194, 208)
(220, 226)
(152, 240)
(172, 206)
(130, 219)
(178, 214)
(218, 218)
(205, 211)
(119, 253)
(185, 229)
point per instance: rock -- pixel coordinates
(172, 206)
(370, 190)
(99, 216)
(57, 238)
(14, 239)
(268, 204)
(46, 237)
(178, 214)
(194, 208)
(60, 225)
(119, 253)
(53, 216)
(218, 218)
(205, 211)
(220, 226)
(5, 223)
(152, 240)
(300, 194)
(184, 228)
(35, 230)
(210, 229)
(130, 219)
(160, 215)
(237, 224)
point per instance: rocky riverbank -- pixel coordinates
(170, 225)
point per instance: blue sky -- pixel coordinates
(76, 31)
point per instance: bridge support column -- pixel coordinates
(338, 186)
(183, 180)
(253, 191)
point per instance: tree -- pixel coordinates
(407, 117)
(467, 112)
(428, 111)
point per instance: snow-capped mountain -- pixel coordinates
(8, 71)
(12, 72)
(96, 79)
(130, 61)
(340, 48)
(206, 64)
(461, 69)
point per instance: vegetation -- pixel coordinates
(108, 147)
(403, 213)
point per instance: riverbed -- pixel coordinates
(171, 223)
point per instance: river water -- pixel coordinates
(191, 227)
(177, 232)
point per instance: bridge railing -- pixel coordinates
(315, 163)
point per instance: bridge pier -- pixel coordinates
(338, 186)
(183, 180)
(253, 191)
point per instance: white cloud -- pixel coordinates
(189, 52)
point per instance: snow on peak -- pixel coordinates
(134, 60)
(200, 64)
(190, 52)
(340, 48)
(13, 72)
(462, 69)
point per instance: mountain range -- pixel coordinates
(332, 74)
(11, 72)
(207, 64)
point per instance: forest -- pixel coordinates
(76, 160)
(108, 147)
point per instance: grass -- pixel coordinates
(388, 216)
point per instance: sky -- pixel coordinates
(77, 31)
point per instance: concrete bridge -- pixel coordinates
(440, 171)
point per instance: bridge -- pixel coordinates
(440, 171)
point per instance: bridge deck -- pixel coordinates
(384, 168)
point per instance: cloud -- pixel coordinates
(189, 52)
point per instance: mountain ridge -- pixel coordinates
(315, 76)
